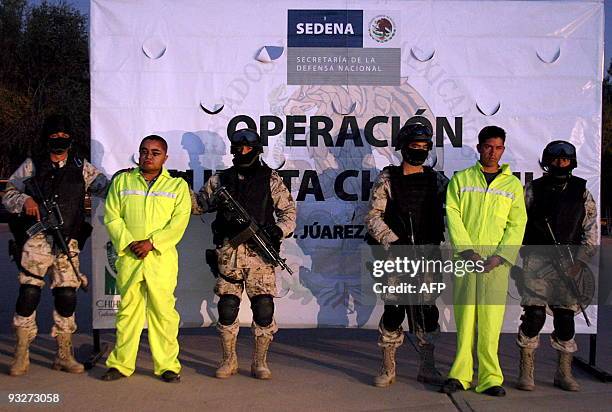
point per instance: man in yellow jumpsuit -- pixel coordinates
(486, 216)
(146, 214)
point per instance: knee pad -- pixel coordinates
(263, 309)
(533, 320)
(28, 299)
(563, 321)
(65, 301)
(392, 318)
(228, 307)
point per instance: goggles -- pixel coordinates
(245, 137)
(561, 150)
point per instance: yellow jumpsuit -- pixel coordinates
(491, 221)
(160, 213)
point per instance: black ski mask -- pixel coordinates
(59, 145)
(560, 172)
(414, 157)
(247, 160)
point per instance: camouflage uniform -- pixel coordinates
(382, 233)
(38, 256)
(243, 263)
(542, 284)
(422, 316)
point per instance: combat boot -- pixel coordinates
(563, 377)
(259, 367)
(387, 371)
(21, 360)
(229, 363)
(427, 366)
(526, 370)
(64, 359)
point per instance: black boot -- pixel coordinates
(427, 366)
(451, 386)
(112, 375)
(495, 391)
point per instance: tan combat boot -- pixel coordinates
(427, 366)
(21, 361)
(563, 377)
(64, 359)
(259, 367)
(387, 372)
(526, 370)
(229, 363)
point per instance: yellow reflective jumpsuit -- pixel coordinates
(160, 213)
(491, 221)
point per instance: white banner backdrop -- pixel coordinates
(186, 69)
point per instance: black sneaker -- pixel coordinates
(171, 377)
(495, 391)
(112, 375)
(451, 386)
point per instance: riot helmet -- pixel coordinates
(559, 149)
(414, 132)
(249, 138)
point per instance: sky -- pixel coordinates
(83, 6)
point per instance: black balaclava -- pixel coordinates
(414, 157)
(59, 145)
(561, 173)
(246, 161)
(57, 123)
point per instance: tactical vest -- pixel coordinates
(65, 186)
(253, 193)
(415, 198)
(564, 210)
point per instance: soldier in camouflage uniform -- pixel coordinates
(565, 203)
(413, 191)
(262, 193)
(57, 175)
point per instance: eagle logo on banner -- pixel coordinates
(382, 29)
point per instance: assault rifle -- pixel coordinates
(560, 264)
(419, 301)
(253, 231)
(52, 222)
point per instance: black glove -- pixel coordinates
(274, 232)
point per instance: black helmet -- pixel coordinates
(414, 132)
(56, 123)
(558, 149)
(245, 137)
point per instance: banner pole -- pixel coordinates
(98, 351)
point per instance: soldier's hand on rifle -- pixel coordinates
(275, 234)
(575, 269)
(31, 208)
(141, 248)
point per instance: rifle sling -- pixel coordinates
(28, 273)
(230, 280)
